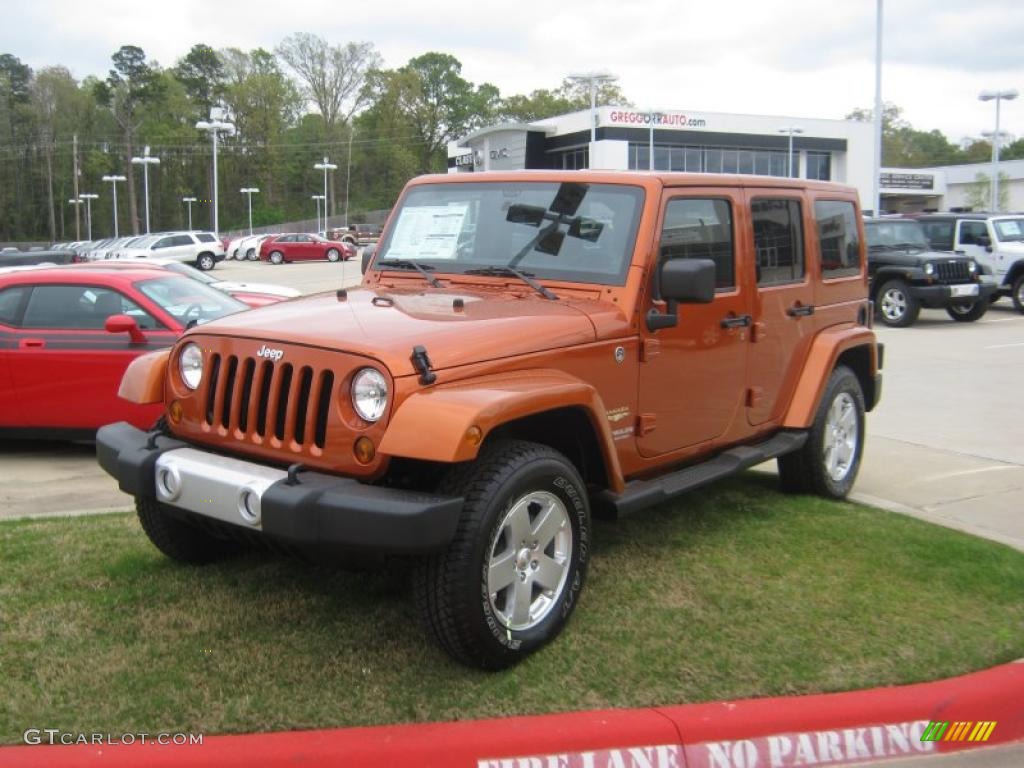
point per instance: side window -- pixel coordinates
(10, 304)
(838, 241)
(939, 234)
(183, 240)
(302, 239)
(80, 307)
(205, 237)
(699, 228)
(778, 240)
(164, 242)
(970, 231)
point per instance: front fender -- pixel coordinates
(143, 380)
(826, 349)
(434, 424)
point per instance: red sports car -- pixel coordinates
(67, 334)
(278, 249)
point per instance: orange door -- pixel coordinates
(693, 376)
(783, 302)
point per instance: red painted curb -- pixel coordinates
(827, 729)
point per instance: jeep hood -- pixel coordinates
(455, 326)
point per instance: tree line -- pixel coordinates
(305, 100)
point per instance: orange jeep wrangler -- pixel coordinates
(525, 348)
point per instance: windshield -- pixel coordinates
(187, 300)
(1009, 230)
(896, 234)
(573, 231)
(188, 271)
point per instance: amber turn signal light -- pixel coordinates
(474, 435)
(364, 450)
(174, 411)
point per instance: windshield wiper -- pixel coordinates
(409, 264)
(526, 277)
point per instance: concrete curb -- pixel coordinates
(875, 725)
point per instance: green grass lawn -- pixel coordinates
(731, 592)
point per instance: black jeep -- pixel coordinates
(906, 275)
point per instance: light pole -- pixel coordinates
(318, 198)
(249, 192)
(113, 183)
(348, 173)
(145, 161)
(593, 79)
(77, 203)
(876, 171)
(215, 127)
(88, 197)
(997, 96)
(188, 201)
(790, 129)
(326, 167)
(650, 141)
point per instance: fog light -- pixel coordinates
(168, 484)
(364, 450)
(474, 435)
(249, 506)
(175, 411)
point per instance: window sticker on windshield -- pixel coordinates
(427, 232)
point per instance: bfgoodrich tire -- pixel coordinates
(896, 307)
(828, 463)
(179, 540)
(513, 573)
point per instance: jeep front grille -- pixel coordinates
(270, 400)
(952, 272)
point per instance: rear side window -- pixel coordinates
(10, 303)
(80, 307)
(939, 234)
(838, 241)
(700, 228)
(778, 240)
(205, 237)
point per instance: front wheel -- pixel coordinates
(276, 257)
(333, 254)
(206, 262)
(251, 254)
(513, 572)
(179, 540)
(896, 307)
(1017, 293)
(968, 313)
(828, 463)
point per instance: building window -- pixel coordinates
(838, 239)
(819, 166)
(751, 160)
(778, 241)
(571, 159)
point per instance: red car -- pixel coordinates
(68, 333)
(278, 249)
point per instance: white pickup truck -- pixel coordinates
(995, 241)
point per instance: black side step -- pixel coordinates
(640, 494)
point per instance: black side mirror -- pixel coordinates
(682, 281)
(985, 240)
(367, 257)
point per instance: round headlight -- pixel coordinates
(369, 394)
(190, 361)
(929, 268)
(972, 267)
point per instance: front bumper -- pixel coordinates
(316, 510)
(935, 296)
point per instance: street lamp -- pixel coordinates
(214, 127)
(88, 197)
(325, 167)
(1008, 95)
(113, 183)
(348, 173)
(790, 129)
(318, 198)
(249, 192)
(593, 79)
(188, 201)
(145, 161)
(76, 202)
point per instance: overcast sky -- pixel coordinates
(798, 58)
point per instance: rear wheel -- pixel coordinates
(896, 307)
(333, 254)
(276, 257)
(1017, 293)
(179, 540)
(968, 313)
(513, 572)
(251, 254)
(206, 262)
(828, 463)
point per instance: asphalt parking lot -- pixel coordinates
(943, 444)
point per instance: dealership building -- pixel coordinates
(714, 142)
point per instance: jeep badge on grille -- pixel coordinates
(270, 354)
